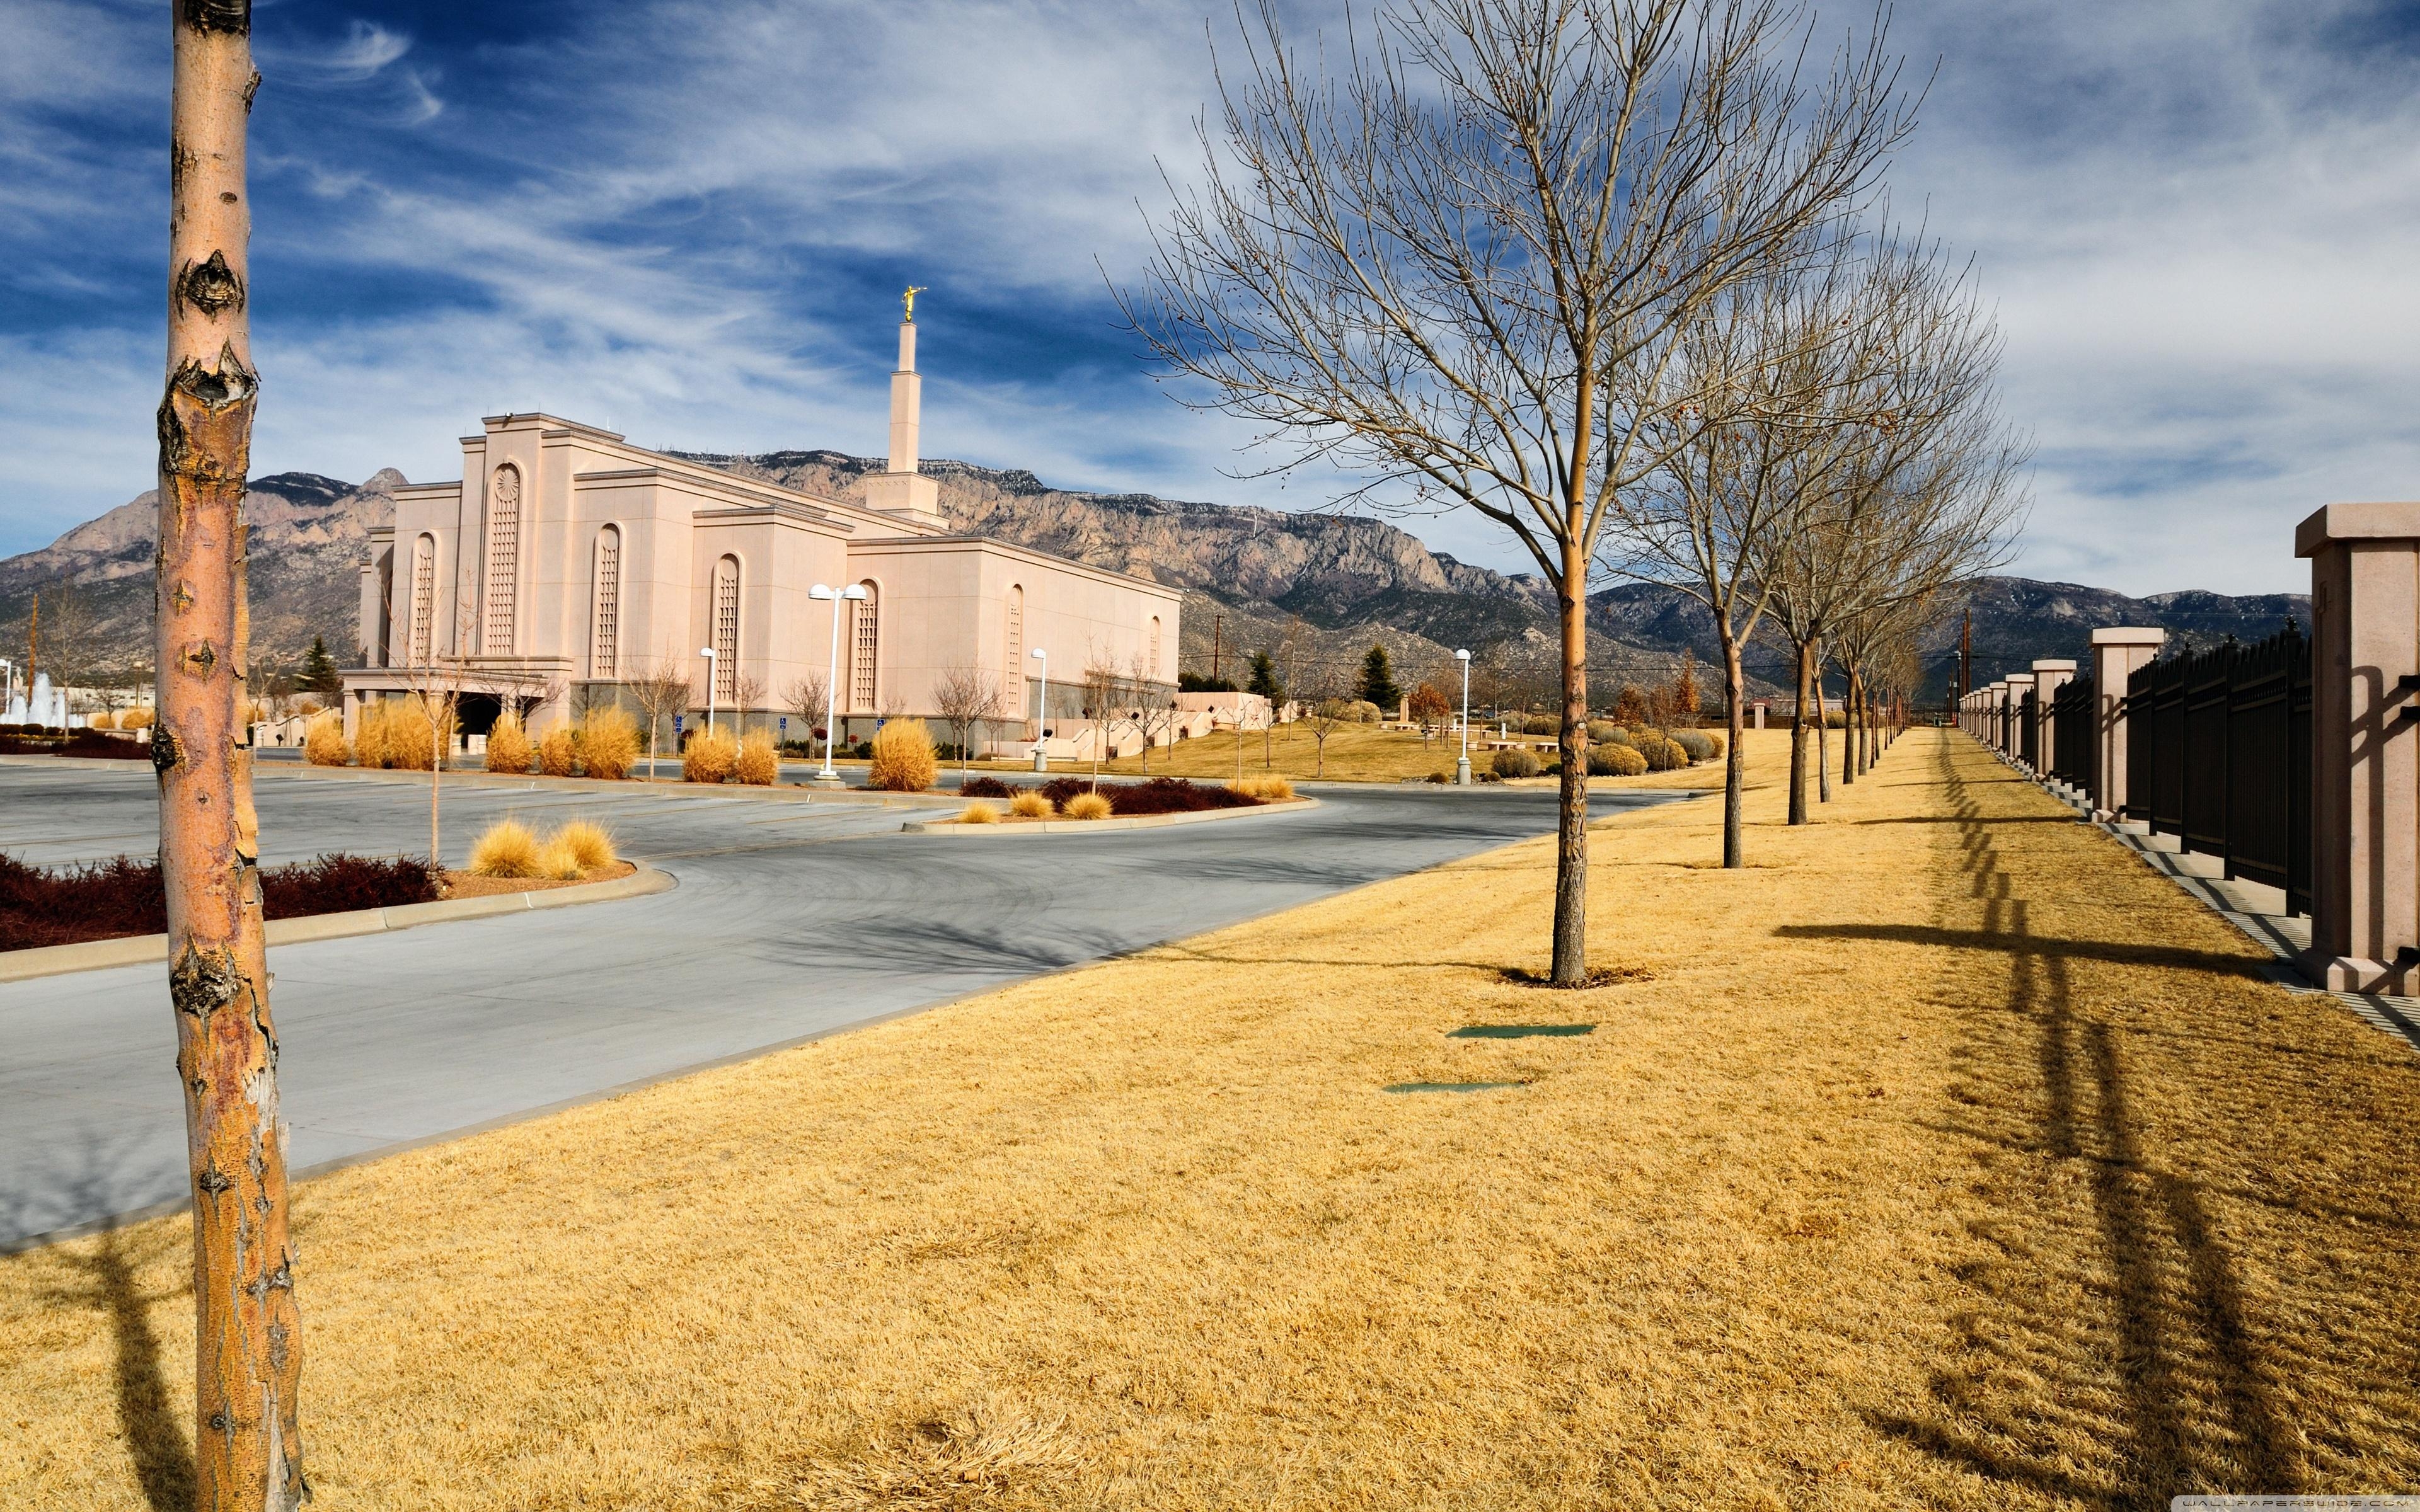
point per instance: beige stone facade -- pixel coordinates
(567, 562)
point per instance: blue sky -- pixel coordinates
(690, 221)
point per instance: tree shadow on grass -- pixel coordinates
(103, 1273)
(2109, 1354)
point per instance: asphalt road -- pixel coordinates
(791, 920)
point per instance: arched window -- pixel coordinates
(503, 557)
(1011, 681)
(419, 647)
(863, 658)
(1153, 671)
(605, 634)
(726, 628)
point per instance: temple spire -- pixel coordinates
(899, 490)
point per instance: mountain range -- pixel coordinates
(1315, 590)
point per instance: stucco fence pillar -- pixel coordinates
(2117, 652)
(2049, 678)
(2365, 745)
(2012, 740)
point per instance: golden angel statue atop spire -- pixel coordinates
(913, 289)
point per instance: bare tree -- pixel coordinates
(247, 1361)
(809, 696)
(1108, 702)
(69, 631)
(965, 697)
(662, 691)
(1459, 267)
(747, 692)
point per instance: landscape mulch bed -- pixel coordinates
(1161, 794)
(123, 896)
(466, 885)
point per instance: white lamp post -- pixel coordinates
(708, 652)
(1462, 767)
(853, 593)
(1042, 714)
(7, 683)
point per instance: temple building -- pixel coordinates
(567, 563)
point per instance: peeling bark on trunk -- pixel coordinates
(248, 1451)
(1571, 839)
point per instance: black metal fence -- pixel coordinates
(2028, 729)
(2218, 753)
(2072, 718)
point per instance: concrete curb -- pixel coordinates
(141, 949)
(1093, 826)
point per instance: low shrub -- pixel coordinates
(1614, 759)
(94, 743)
(1031, 804)
(1362, 711)
(1700, 746)
(1663, 756)
(979, 814)
(1716, 742)
(136, 720)
(1616, 735)
(985, 787)
(1440, 778)
(108, 900)
(759, 764)
(508, 849)
(323, 741)
(710, 756)
(1512, 763)
(903, 757)
(1087, 806)
(591, 842)
(1542, 724)
(1268, 787)
(1602, 730)
(26, 745)
(558, 753)
(1646, 735)
(508, 744)
(608, 744)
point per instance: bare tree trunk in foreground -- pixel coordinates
(248, 1449)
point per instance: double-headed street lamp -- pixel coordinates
(1462, 767)
(853, 593)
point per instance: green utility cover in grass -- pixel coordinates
(1517, 1032)
(1450, 1086)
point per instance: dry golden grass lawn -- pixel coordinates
(1945, 1158)
(1356, 753)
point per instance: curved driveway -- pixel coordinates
(791, 920)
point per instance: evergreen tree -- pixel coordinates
(1265, 679)
(1378, 680)
(320, 674)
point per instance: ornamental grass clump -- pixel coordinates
(140, 719)
(759, 764)
(323, 741)
(558, 753)
(1030, 804)
(590, 842)
(508, 744)
(979, 814)
(1087, 806)
(711, 756)
(903, 757)
(608, 744)
(1514, 764)
(557, 862)
(370, 733)
(1267, 788)
(507, 849)
(411, 742)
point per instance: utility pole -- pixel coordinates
(34, 647)
(1965, 657)
(1218, 634)
(248, 1346)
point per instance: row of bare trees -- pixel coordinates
(1619, 276)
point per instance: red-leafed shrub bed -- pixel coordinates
(985, 787)
(105, 900)
(93, 743)
(1161, 794)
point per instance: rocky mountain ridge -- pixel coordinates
(1314, 589)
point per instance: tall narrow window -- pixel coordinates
(419, 642)
(1012, 682)
(1153, 673)
(606, 636)
(503, 557)
(862, 660)
(726, 629)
